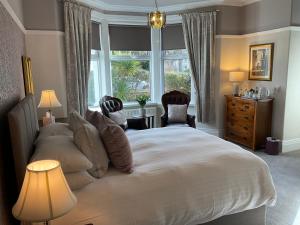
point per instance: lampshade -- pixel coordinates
(236, 76)
(157, 19)
(45, 194)
(48, 99)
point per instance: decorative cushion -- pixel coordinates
(55, 129)
(89, 114)
(76, 120)
(177, 113)
(115, 142)
(62, 149)
(119, 118)
(78, 180)
(88, 141)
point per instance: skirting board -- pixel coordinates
(290, 145)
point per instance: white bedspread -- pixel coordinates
(182, 177)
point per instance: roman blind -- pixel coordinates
(172, 37)
(130, 38)
(96, 36)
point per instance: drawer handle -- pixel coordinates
(233, 104)
(246, 128)
(246, 117)
(245, 138)
(232, 114)
(242, 110)
(247, 107)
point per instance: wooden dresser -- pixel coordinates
(248, 122)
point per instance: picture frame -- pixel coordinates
(261, 62)
(27, 75)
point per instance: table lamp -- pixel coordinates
(49, 101)
(45, 194)
(236, 78)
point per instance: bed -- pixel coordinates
(182, 177)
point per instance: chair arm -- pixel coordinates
(137, 123)
(164, 120)
(191, 121)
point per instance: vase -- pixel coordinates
(143, 112)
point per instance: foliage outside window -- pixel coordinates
(177, 75)
(130, 74)
(94, 84)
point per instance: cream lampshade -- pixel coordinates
(45, 194)
(236, 77)
(49, 100)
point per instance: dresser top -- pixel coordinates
(248, 99)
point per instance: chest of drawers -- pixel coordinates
(248, 122)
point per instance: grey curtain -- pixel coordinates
(199, 34)
(78, 54)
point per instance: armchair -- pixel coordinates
(110, 104)
(176, 98)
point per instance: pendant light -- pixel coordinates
(157, 19)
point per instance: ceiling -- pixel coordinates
(164, 5)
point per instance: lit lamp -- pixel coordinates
(48, 101)
(157, 19)
(236, 78)
(45, 194)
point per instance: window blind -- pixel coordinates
(130, 38)
(172, 37)
(96, 44)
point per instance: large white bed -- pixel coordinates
(182, 176)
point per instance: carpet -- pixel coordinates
(285, 170)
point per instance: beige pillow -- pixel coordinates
(88, 141)
(55, 129)
(78, 180)
(62, 149)
(115, 142)
(76, 120)
(177, 113)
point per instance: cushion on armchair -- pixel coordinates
(177, 113)
(119, 118)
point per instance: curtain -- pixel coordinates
(199, 34)
(78, 54)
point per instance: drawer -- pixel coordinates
(240, 116)
(239, 137)
(245, 128)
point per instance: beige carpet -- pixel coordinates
(285, 170)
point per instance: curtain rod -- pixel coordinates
(217, 10)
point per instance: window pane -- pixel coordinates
(94, 80)
(132, 54)
(177, 71)
(130, 78)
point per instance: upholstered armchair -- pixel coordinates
(176, 98)
(110, 104)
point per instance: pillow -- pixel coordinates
(88, 141)
(177, 113)
(89, 115)
(62, 149)
(76, 120)
(115, 142)
(119, 118)
(78, 180)
(55, 129)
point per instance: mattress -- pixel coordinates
(182, 176)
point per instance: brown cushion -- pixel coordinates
(115, 142)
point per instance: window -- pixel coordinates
(130, 74)
(94, 84)
(177, 74)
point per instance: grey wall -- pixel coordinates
(17, 6)
(295, 21)
(12, 47)
(266, 15)
(44, 15)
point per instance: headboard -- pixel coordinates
(23, 125)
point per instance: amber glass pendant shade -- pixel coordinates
(157, 20)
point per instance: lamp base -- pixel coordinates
(235, 89)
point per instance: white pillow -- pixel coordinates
(62, 149)
(177, 113)
(119, 118)
(55, 129)
(88, 141)
(78, 180)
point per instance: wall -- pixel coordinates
(17, 6)
(292, 107)
(12, 47)
(295, 20)
(47, 52)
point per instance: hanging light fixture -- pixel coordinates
(157, 19)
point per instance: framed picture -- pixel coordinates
(261, 62)
(27, 74)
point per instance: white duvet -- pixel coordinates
(182, 177)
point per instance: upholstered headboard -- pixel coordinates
(23, 124)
